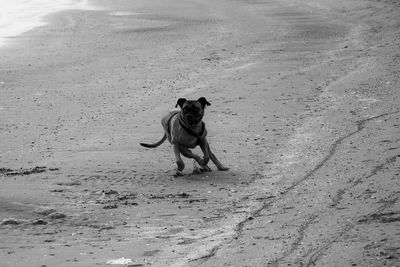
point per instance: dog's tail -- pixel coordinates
(155, 144)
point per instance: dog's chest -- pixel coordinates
(179, 135)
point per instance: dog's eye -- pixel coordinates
(185, 109)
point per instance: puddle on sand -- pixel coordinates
(13, 209)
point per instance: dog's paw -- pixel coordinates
(197, 171)
(178, 174)
(205, 168)
(204, 162)
(222, 168)
(180, 166)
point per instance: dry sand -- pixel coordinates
(305, 112)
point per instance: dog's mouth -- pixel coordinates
(193, 119)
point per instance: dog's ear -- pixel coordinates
(180, 102)
(203, 101)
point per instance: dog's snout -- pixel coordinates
(192, 118)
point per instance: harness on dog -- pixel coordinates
(186, 127)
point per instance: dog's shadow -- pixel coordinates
(197, 171)
(214, 176)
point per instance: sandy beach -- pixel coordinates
(305, 106)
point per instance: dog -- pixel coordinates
(184, 128)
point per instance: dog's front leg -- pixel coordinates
(206, 151)
(179, 162)
(189, 154)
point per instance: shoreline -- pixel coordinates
(303, 112)
(15, 22)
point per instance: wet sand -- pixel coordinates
(305, 112)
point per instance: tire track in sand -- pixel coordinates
(238, 229)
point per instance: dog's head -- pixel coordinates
(192, 110)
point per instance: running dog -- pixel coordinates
(185, 129)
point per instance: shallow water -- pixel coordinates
(11, 209)
(19, 16)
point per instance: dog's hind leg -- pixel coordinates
(214, 159)
(219, 165)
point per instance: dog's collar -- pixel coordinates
(189, 130)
